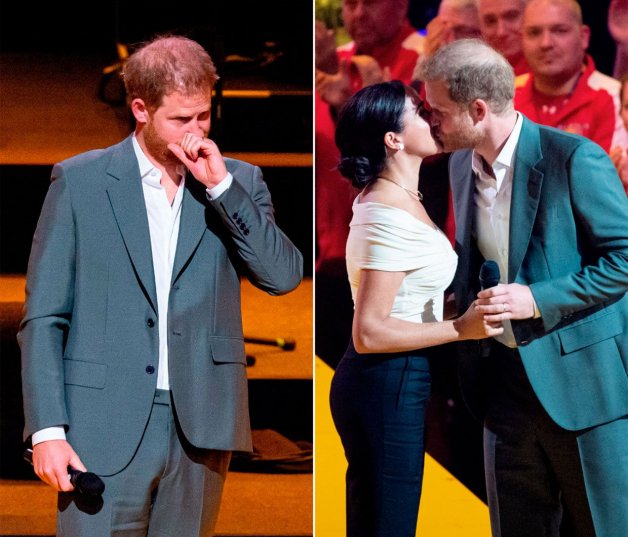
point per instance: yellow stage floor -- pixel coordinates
(447, 508)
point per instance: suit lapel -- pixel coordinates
(526, 190)
(127, 201)
(192, 225)
(462, 185)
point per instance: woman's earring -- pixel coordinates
(400, 146)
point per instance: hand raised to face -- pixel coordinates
(202, 157)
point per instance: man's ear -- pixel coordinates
(140, 110)
(478, 110)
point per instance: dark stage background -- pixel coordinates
(53, 55)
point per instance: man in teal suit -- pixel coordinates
(552, 391)
(132, 347)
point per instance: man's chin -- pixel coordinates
(445, 146)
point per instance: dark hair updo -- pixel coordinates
(362, 123)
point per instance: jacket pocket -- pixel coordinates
(591, 331)
(88, 374)
(228, 350)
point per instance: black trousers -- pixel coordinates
(534, 476)
(378, 406)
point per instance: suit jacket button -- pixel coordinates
(246, 232)
(150, 369)
(150, 323)
(235, 215)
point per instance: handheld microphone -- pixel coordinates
(489, 274)
(489, 277)
(86, 483)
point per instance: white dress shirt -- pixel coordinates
(163, 225)
(493, 194)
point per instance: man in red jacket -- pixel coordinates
(563, 88)
(500, 23)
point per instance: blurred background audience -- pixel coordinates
(564, 67)
(500, 24)
(568, 57)
(383, 46)
(563, 88)
(619, 153)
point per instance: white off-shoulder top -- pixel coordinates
(382, 237)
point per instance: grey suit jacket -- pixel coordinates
(569, 243)
(89, 336)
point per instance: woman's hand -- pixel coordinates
(474, 325)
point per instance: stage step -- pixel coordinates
(254, 505)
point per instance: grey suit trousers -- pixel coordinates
(169, 489)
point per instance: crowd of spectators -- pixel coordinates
(545, 41)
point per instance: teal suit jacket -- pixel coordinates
(89, 336)
(569, 243)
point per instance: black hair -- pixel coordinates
(362, 123)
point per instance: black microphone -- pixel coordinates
(489, 274)
(489, 277)
(86, 483)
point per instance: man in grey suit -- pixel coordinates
(552, 391)
(133, 361)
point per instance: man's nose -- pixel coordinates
(546, 39)
(360, 10)
(196, 128)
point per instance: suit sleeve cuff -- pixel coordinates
(220, 188)
(49, 433)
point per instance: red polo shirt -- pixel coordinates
(334, 193)
(591, 109)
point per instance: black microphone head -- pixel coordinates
(88, 483)
(489, 274)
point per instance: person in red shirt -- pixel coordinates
(500, 23)
(456, 19)
(563, 88)
(384, 46)
(619, 154)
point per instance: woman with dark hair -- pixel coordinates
(399, 264)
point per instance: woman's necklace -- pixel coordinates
(415, 194)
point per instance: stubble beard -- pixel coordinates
(463, 137)
(158, 147)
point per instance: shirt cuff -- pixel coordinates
(220, 188)
(537, 312)
(49, 433)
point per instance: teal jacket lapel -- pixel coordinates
(127, 201)
(526, 191)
